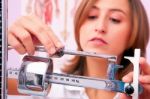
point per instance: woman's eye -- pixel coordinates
(115, 20)
(92, 17)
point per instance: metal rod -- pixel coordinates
(73, 52)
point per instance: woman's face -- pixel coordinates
(107, 27)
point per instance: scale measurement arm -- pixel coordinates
(80, 81)
(88, 82)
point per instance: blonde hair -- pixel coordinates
(139, 37)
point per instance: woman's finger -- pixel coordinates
(144, 79)
(128, 77)
(12, 40)
(146, 87)
(40, 32)
(50, 32)
(124, 96)
(145, 68)
(25, 38)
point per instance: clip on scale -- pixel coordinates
(37, 82)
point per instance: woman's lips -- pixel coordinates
(98, 41)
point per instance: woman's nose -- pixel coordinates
(100, 27)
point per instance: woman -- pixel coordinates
(99, 25)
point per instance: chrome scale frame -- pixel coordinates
(35, 83)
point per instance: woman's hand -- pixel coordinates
(28, 31)
(144, 80)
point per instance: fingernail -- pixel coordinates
(60, 45)
(141, 79)
(52, 50)
(117, 96)
(31, 53)
(124, 78)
